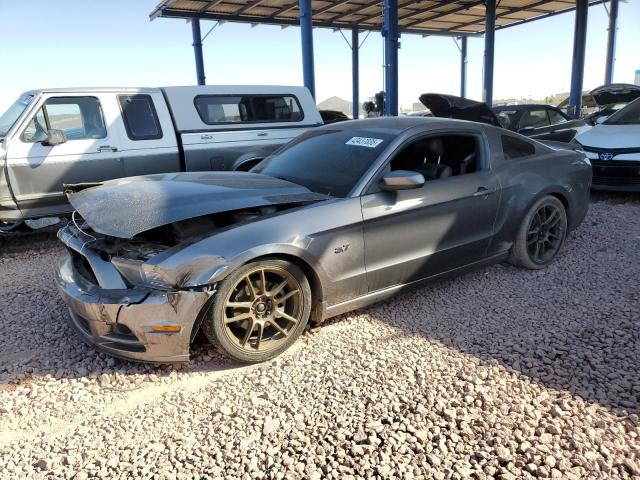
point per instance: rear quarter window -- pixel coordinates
(140, 117)
(229, 109)
(514, 147)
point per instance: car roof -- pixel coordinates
(399, 124)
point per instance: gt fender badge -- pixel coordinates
(341, 249)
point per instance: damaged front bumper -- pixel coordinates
(136, 324)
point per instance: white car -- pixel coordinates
(613, 147)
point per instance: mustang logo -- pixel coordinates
(606, 156)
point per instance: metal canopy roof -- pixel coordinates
(426, 17)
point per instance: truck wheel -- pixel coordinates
(541, 234)
(259, 311)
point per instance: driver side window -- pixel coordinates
(79, 118)
(440, 157)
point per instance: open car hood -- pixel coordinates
(615, 93)
(127, 207)
(450, 106)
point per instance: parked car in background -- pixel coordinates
(603, 101)
(56, 136)
(333, 116)
(540, 121)
(534, 123)
(613, 148)
(343, 216)
(611, 98)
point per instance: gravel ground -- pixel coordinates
(502, 373)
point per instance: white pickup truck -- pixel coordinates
(64, 136)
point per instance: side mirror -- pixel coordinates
(402, 180)
(601, 119)
(526, 130)
(54, 137)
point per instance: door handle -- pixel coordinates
(107, 148)
(262, 134)
(482, 191)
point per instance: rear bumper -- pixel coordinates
(121, 322)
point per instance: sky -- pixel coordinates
(72, 43)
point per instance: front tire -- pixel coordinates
(259, 311)
(541, 234)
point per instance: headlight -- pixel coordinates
(139, 273)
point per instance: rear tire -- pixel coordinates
(259, 311)
(541, 234)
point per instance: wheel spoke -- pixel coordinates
(247, 334)
(536, 255)
(286, 297)
(555, 222)
(279, 328)
(239, 304)
(279, 288)
(286, 316)
(260, 333)
(252, 290)
(237, 318)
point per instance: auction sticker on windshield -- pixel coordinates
(364, 142)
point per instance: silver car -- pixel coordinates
(343, 216)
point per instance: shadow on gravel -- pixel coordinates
(573, 326)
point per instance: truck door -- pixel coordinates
(89, 153)
(149, 142)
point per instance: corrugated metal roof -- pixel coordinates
(427, 17)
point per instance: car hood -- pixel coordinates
(450, 106)
(611, 136)
(127, 207)
(615, 93)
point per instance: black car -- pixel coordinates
(540, 121)
(333, 116)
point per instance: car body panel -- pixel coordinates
(158, 200)
(363, 247)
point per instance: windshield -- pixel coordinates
(13, 113)
(628, 115)
(330, 162)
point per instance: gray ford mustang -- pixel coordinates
(343, 216)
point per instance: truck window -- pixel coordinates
(140, 117)
(79, 118)
(221, 109)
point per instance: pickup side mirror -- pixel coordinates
(601, 119)
(54, 137)
(402, 180)
(526, 130)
